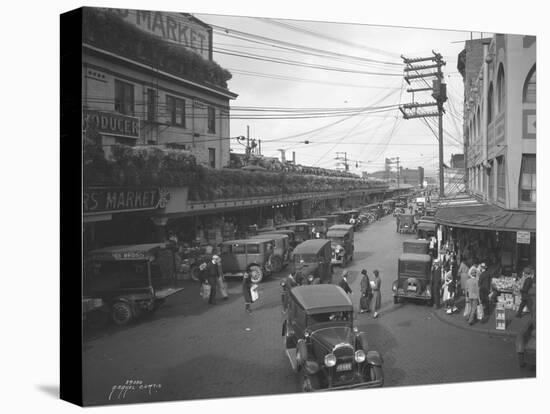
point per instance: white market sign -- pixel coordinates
(177, 28)
(523, 237)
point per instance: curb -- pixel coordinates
(456, 324)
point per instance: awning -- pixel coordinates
(476, 215)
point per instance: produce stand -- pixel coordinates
(508, 298)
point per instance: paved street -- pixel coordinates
(190, 350)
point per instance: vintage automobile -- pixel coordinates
(290, 233)
(430, 212)
(332, 219)
(406, 223)
(252, 255)
(343, 216)
(414, 275)
(301, 230)
(426, 229)
(416, 246)
(318, 226)
(323, 346)
(313, 258)
(130, 280)
(341, 237)
(281, 251)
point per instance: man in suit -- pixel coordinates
(212, 274)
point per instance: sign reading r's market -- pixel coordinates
(119, 199)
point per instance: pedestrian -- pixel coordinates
(366, 293)
(433, 247)
(288, 283)
(221, 280)
(213, 274)
(472, 296)
(474, 267)
(436, 283)
(397, 220)
(449, 291)
(247, 291)
(344, 282)
(463, 275)
(484, 284)
(376, 295)
(526, 296)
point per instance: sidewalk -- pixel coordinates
(513, 324)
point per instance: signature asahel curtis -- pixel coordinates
(119, 391)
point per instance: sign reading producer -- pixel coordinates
(112, 124)
(101, 200)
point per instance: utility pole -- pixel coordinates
(439, 93)
(345, 159)
(398, 173)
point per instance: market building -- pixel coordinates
(495, 220)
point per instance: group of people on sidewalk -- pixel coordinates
(370, 291)
(211, 278)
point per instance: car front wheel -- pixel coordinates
(376, 373)
(122, 313)
(256, 274)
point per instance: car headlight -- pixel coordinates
(330, 360)
(360, 356)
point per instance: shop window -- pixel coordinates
(151, 105)
(211, 120)
(501, 90)
(528, 185)
(530, 88)
(124, 97)
(501, 179)
(176, 110)
(212, 157)
(490, 104)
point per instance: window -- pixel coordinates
(211, 120)
(237, 248)
(151, 105)
(501, 179)
(176, 110)
(124, 97)
(530, 88)
(490, 105)
(501, 90)
(212, 157)
(528, 185)
(253, 248)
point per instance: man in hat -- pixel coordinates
(366, 293)
(212, 274)
(484, 284)
(436, 283)
(526, 296)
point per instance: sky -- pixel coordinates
(351, 105)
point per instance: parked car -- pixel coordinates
(416, 246)
(313, 258)
(290, 233)
(253, 255)
(414, 276)
(322, 344)
(426, 229)
(281, 251)
(301, 230)
(406, 223)
(318, 227)
(341, 237)
(130, 280)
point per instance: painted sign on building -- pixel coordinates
(109, 123)
(177, 28)
(120, 199)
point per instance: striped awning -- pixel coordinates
(471, 213)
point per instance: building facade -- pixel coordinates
(498, 220)
(147, 80)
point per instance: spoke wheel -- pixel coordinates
(122, 313)
(256, 274)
